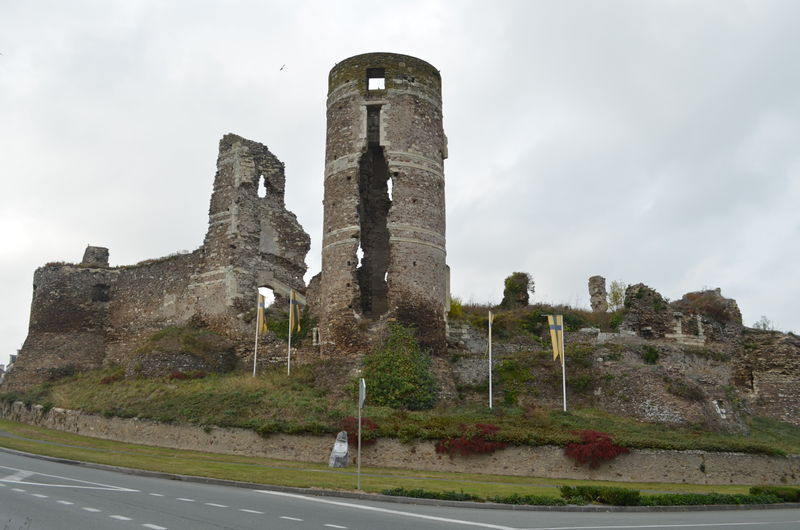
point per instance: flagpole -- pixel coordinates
(289, 351)
(358, 485)
(564, 376)
(258, 325)
(362, 395)
(490, 359)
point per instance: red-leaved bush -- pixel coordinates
(471, 442)
(369, 430)
(595, 449)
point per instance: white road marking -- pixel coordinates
(249, 511)
(334, 526)
(91, 485)
(93, 510)
(385, 510)
(39, 495)
(215, 505)
(155, 494)
(65, 503)
(290, 518)
(184, 500)
(154, 526)
(687, 525)
(120, 517)
(20, 490)
(18, 476)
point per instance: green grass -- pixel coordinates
(274, 402)
(43, 441)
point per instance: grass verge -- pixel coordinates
(266, 471)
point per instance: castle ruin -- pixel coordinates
(86, 314)
(383, 252)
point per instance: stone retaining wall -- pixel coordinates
(546, 461)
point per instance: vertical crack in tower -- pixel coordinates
(373, 211)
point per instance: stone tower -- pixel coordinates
(383, 249)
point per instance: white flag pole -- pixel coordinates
(362, 395)
(490, 359)
(258, 325)
(289, 350)
(563, 367)
(564, 380)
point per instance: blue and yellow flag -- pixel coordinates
(294, 312)
(261, 316)
(556, 323)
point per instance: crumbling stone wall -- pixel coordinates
(83, 315)
(768, 374)
(68, 323)
(598, 296)
(709, 314)
(383, 249)
(646, 312)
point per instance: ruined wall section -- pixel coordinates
(767, 372)
(87, 314)
(68, 324)
(384, 193)
(252, 241)
(150, 296)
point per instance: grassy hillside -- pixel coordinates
(275, 402)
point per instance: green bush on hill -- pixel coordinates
(399, 372)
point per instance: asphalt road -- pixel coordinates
(42, 495)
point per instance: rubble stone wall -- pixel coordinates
(546, 461)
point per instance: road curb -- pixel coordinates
(397, 499)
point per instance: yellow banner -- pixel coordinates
(556, 323)
(261, 316)
(294, 312)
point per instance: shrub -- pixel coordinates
(685, 390)
(649, 354)
(369, 430)
(278, 323)
(471, 442)
(601, 494)
(420, 493)
(515, 290)
(595, 449)
(616, 320)
(537, 500)
(786, 493)
(703, 499)
(456, 309)
(399, 373)
(575, 320)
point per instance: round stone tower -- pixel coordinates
(383, 250)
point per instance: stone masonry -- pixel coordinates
(383, 249)
(85, 314)
(597, 294)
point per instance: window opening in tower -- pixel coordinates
(376, 79)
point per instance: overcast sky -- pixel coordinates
(645, 141)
